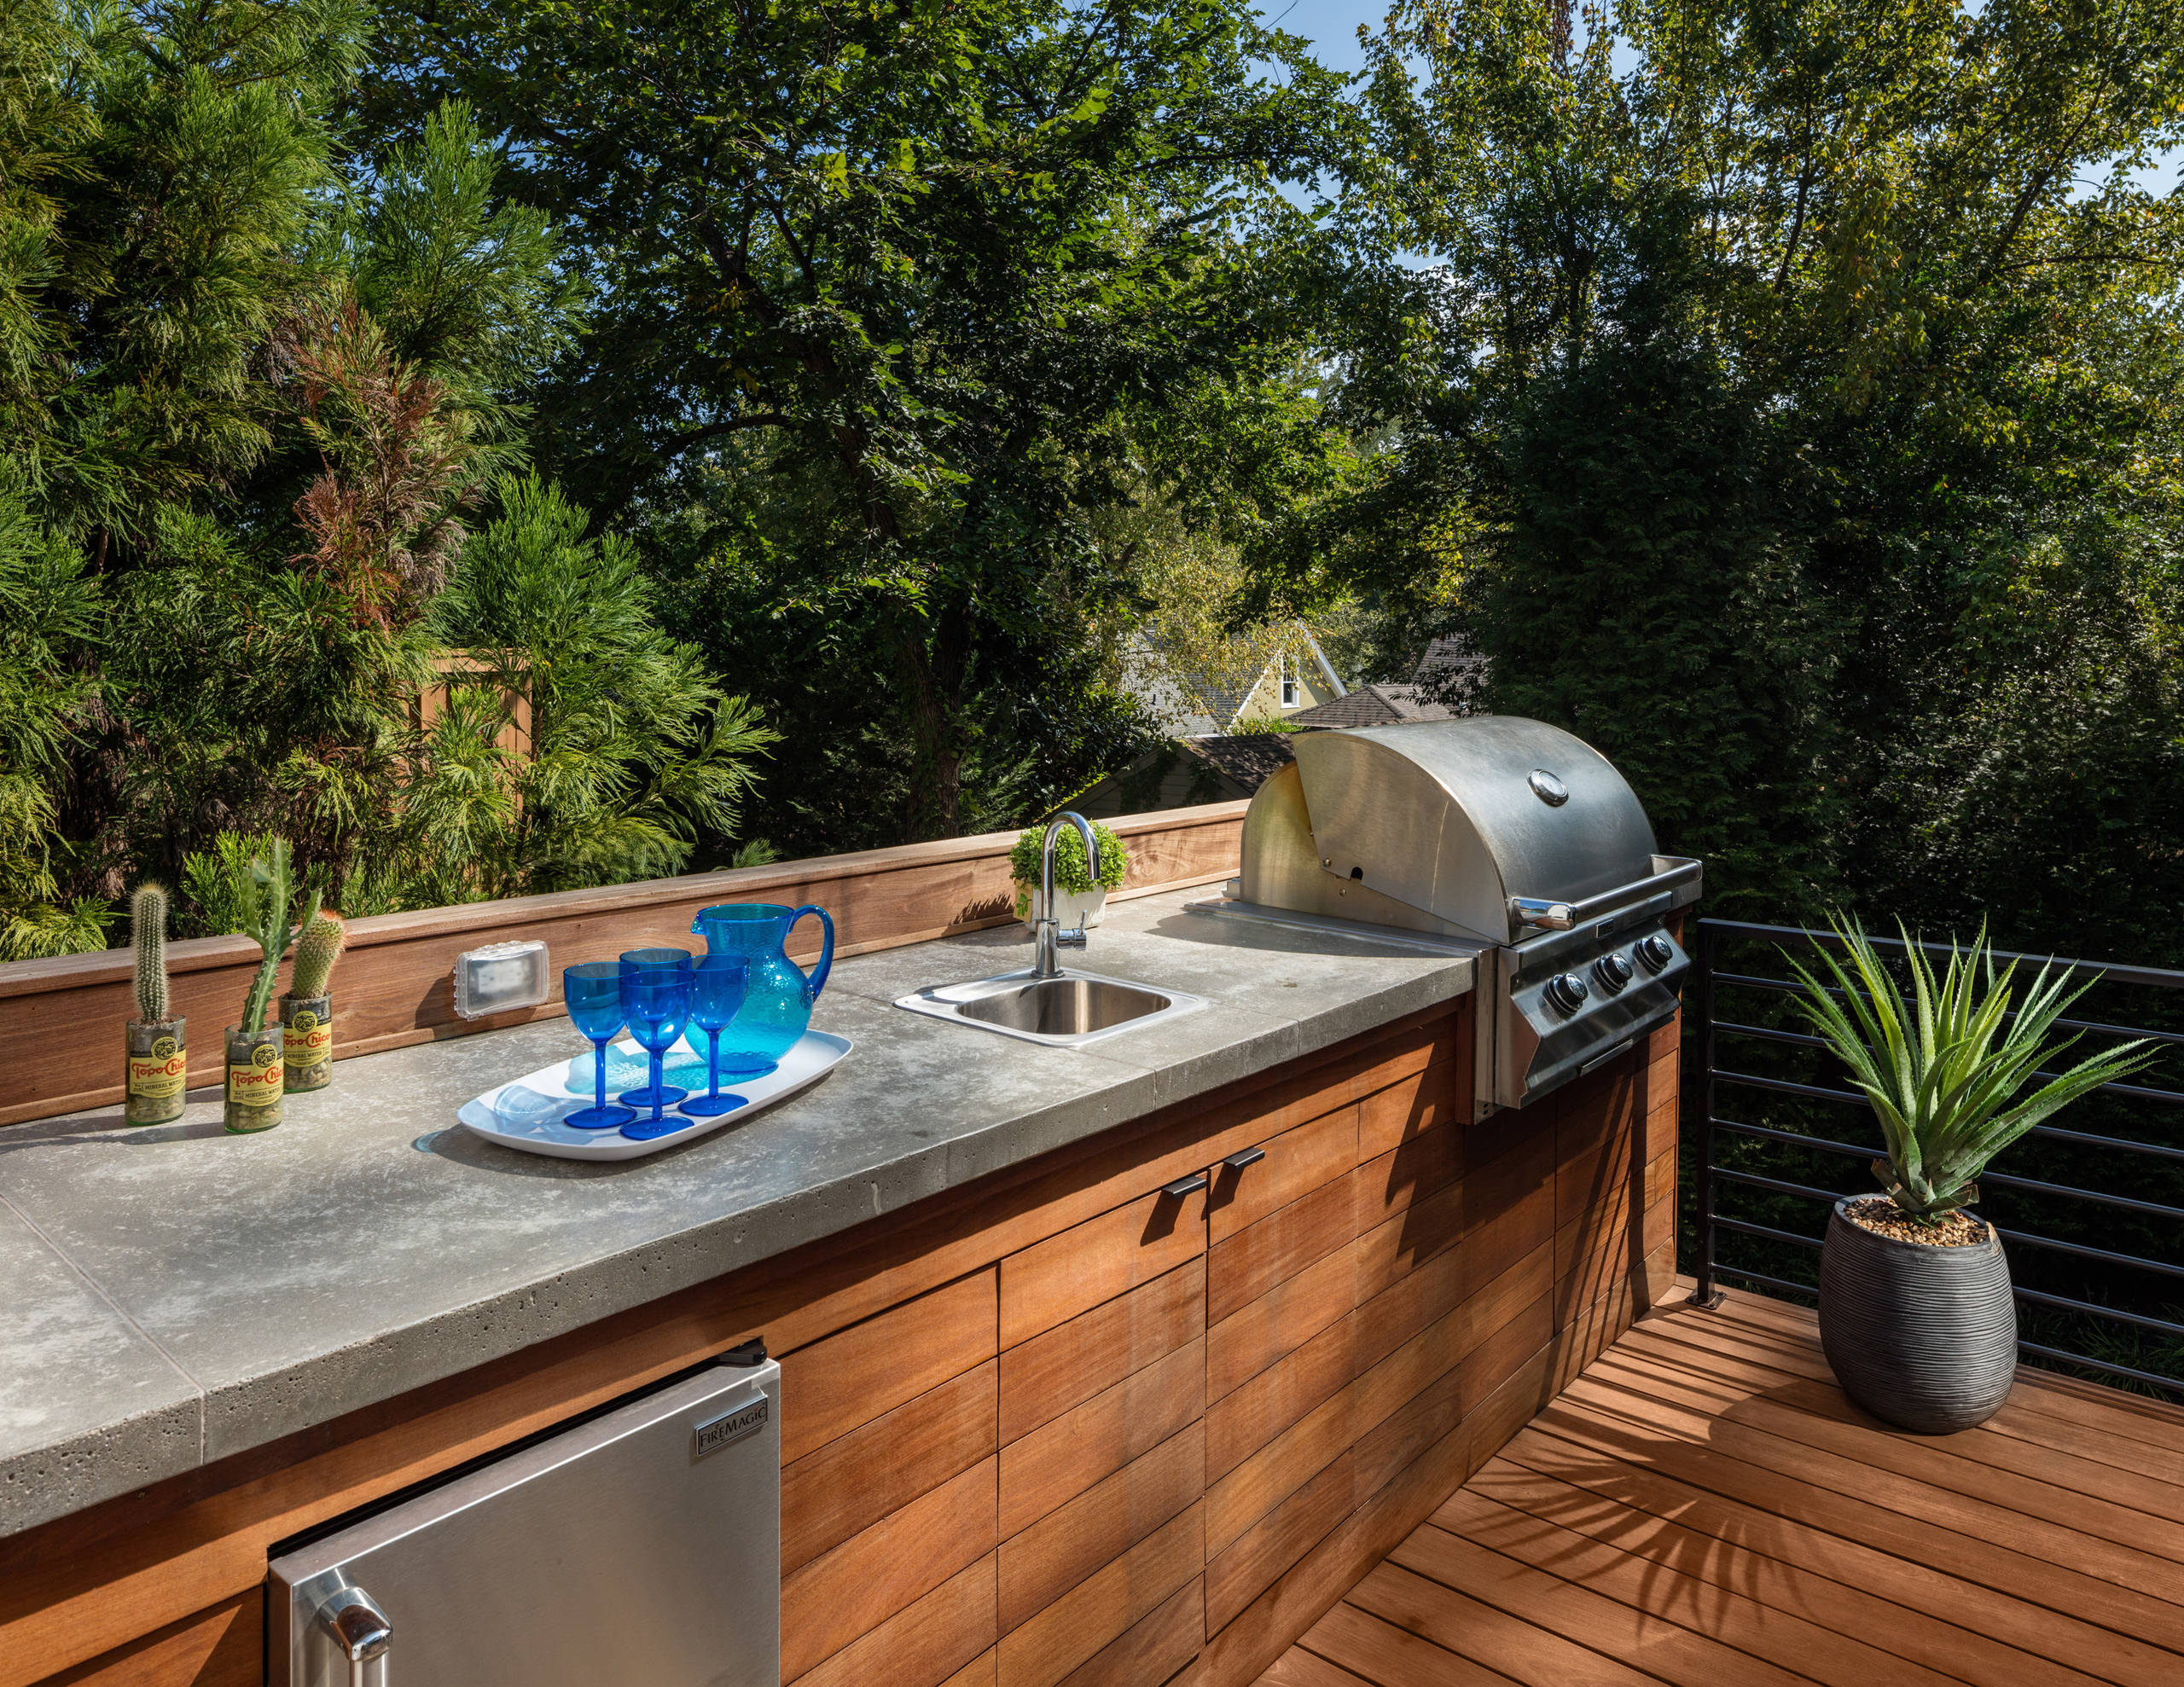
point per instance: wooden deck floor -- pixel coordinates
(1703, 1505)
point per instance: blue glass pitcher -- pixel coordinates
(777, 996)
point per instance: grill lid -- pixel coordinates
(1456, 818)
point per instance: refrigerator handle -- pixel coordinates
(360, 1630)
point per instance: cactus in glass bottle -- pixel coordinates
(255, 1078)
(307, 1011)
(156, 1058)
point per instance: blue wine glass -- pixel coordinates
(656, 1093)
(716, 993)
(593, 992)
(659, 1007)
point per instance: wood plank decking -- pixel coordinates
(1704, 1506)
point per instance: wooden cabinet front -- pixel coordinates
(1138, 1412)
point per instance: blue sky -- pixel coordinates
(1331, 26)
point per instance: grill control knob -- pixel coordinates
(1614, 971)
(1656, 951)
(1567, 991)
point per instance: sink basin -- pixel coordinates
(1066, 1011)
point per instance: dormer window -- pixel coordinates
(1288, 683)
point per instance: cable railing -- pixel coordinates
(1711, 1031)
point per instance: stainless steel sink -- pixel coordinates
(1067, 1010)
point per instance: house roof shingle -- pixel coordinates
(1374, 705)
(1249, 758)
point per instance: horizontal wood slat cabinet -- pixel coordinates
(61, 1019)
(1136, 1412)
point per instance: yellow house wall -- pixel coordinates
(1265, 699)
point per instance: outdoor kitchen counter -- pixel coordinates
(176, 1295)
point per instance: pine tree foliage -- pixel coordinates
(634, 751)
(49, 611)
(258, 388)
(185, 206)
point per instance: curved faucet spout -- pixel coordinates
(1047, 935)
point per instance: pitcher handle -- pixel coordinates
(817, 978)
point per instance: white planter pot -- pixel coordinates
(1075, 911)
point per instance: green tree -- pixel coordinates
(1780, 374)
(195, 149)
(258, 390)
(909, 269)
(47, 612)
(632, 751)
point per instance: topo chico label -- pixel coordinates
(162, 1072)
(307, 1039)
(258, 1084)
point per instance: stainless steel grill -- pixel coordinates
(1503, 838)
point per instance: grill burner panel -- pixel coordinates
(1507, 832)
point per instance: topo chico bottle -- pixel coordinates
(156, 1082)
(307, 1042)
(255, 1083)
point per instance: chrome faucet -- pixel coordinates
(1047, 935)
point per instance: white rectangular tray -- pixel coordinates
(527, 1113)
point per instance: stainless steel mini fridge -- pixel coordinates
(640, 1546)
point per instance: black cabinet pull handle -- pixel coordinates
(1243, 1158)
(1184, 1186)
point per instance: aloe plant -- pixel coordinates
(1945, 1069)
(266, 889)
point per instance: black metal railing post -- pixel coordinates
(1707, 1294)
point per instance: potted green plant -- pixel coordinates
(1917, 1315)
(256, 1084)
(156, 1042)
(1080, 897)
(307, 1009)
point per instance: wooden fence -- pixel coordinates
(60, 1020)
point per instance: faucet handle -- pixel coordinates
(1070, 940)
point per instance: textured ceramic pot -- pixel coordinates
(1922, 1336)
(306, 1042)
(255, 1084)
(157, 1071)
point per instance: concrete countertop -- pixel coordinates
(175, 1294)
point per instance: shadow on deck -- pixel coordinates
(1702, 1506)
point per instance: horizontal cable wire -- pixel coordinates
(1791, 987)
(2151, 1208)
(2136, 1092)
(2111, 971)
(1769, 1232)
(2080, 1250)
(1776, 1185)
(2174, 1383)
(1825, 1145)
(1761, 1277)
(2063, 1303)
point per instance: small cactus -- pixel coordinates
(147, 921)
(316, 950)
